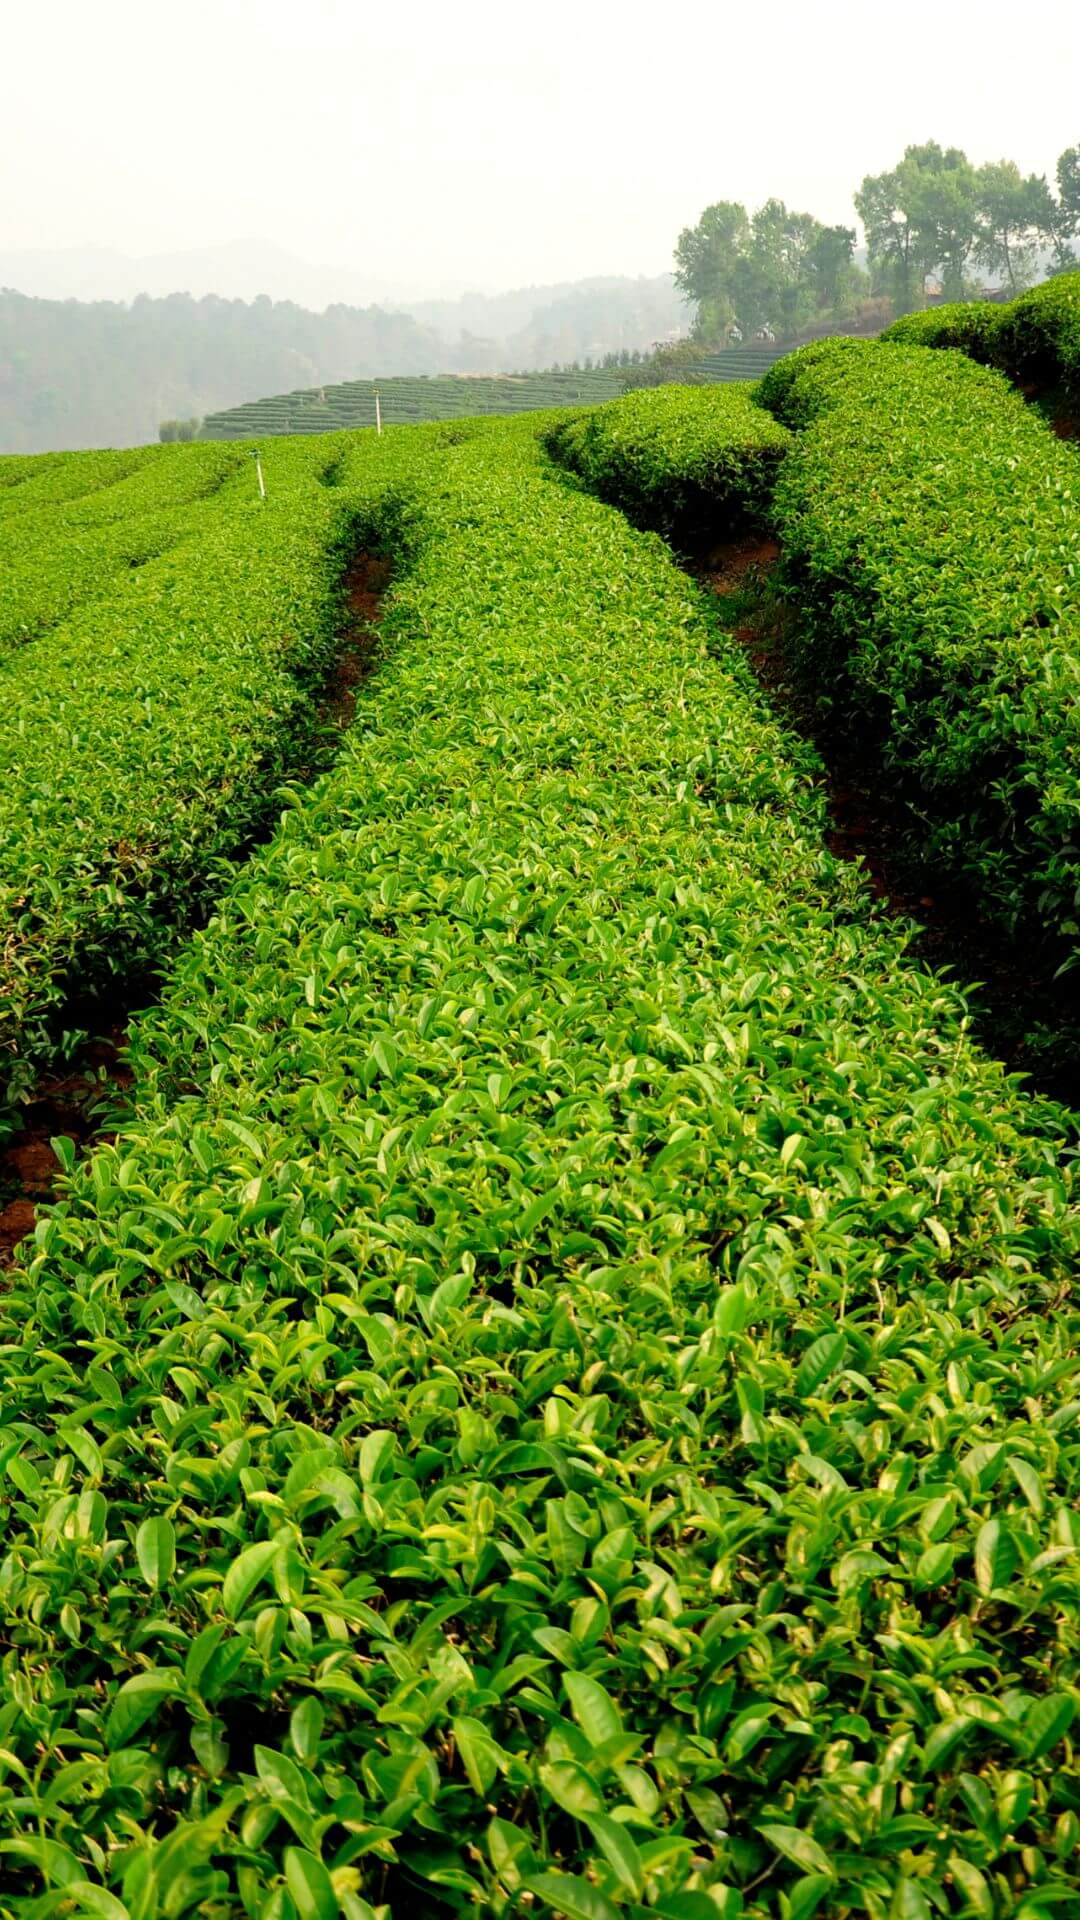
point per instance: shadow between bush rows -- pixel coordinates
(1022, 1011)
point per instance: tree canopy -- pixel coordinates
(933, 214)
(936, 213)
(771, 271)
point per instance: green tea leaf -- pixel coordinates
(310, 1886)
(801, 1848)
(155, 1548)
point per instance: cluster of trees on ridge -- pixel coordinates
(934, 214)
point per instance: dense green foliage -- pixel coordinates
(558, 1398)
(150, 725)
(775, 269)
(936, 213)
(54, 559)
(970, 325)
(795, 400)
(1038, 337)
(1035, 339)
(930, 532)
(679, 459)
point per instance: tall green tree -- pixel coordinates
(829, 263)
(1015, 212)
(706, 258)
(775, 270)
(944, 200)
(919, 216)
(1066, 218)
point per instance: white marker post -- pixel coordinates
(259, 475)
(378, 413)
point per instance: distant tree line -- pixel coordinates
(110, 373)
(171, 430)
(777, 273)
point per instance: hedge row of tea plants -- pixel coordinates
(931, 538)
(559, 1398)
(145, 734)
(677, 458)
(969, 325)
(57, 555)
(30, 481)
(1035, 339)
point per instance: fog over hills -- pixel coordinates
(98, 348)
(239, 270)
(245, 269)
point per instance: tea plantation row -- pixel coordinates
(60, 554)
(559, 1398)
(148, 728)
(1035, 338)
(685, 461)
(930, 527)
(931, 530)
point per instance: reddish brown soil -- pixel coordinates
(365, 583)
(743, 566)
(61, 1106)
(73, 1104)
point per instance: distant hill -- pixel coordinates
(107, 372)
(457, 396)
(404, 400)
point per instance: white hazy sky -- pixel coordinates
(491, 145)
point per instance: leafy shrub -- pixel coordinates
(928, 519)
(560, 1398)
(970, 325)
(782, 389)
(61, 552)
(1039, 335)
(155, 720)
(1035, 338)
(676, 458)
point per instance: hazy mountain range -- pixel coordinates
(97, 348)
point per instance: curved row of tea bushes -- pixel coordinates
(1035, 339)
(59, 555)
(31, 481)
(677, 458)
(930, 523)
(969, 325)
(560, 1399)
(144, 738)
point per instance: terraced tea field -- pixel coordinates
(556, 1391)
(406, 399)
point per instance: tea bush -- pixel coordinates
(1039, 336)
(149, 729)
(60, 555)
(677, 458)
(1035, 338)
(971, 325)
(560, 1396)
(932, 545)
(786, 392)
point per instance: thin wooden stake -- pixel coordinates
(259, 473)
(378, 413)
